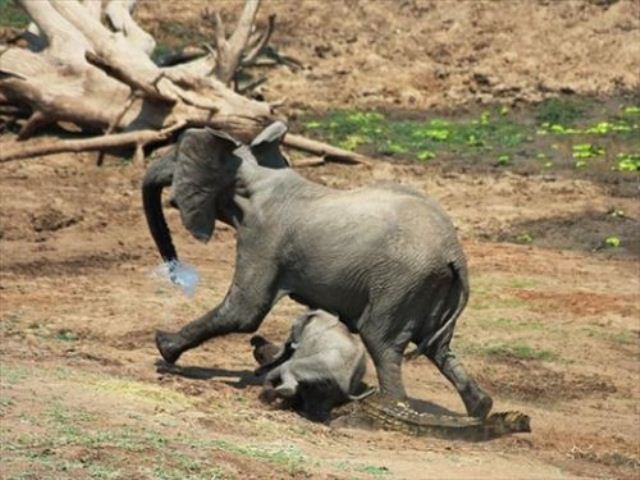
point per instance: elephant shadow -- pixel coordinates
(242, 379)
(236, 378)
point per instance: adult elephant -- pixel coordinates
(385, 259)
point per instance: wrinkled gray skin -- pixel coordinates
(384, 259)
(321, 364)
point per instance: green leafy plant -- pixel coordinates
(586, 150)
(521, 351)
(524, 238)
(612, 242)
(426, 155)
(581, 164)
(616, 213)
(628, 162)
(504, 160)
(603, 128)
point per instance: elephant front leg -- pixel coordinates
(242, 311)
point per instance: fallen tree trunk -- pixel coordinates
(101, 78)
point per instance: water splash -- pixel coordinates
(181, 274)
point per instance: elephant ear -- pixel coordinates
(204, 169)
(266, 146)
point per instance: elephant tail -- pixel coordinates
(455, 302)
(158, 176)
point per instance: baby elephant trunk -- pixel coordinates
(269, 355)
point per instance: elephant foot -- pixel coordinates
(169, 345)
(479, 405)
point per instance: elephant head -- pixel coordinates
(202, 170)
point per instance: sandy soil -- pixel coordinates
(552, 329)
(434, 53)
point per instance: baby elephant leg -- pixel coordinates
(289, 384)
(282, 380)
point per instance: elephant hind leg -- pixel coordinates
(477, 402)
(387, 356)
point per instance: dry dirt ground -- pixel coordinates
(552, 327)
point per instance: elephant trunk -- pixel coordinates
(158, 176)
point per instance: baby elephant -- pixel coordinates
(320, 366)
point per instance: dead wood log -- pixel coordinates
(87, 74)
(101, 77)
(139, 139)
(328, 152)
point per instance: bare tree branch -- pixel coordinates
(139, 138)
(116, 71)
(230, 51)
(260, 43)
(118, 12)
(35, 121)
(329, 152)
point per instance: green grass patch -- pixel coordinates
(620, 337)
(372, 470)
(145, 391)
(511, 324)
(289, 456)
(421, 139)
(12, 374)
(560, 111)
(188, 469)
(519, 351)
(582, 136)
(631, 110)
(627, 162)
(11, 15)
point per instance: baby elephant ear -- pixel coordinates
(266, 146)
(200, 176)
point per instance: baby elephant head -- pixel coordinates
(264, 351)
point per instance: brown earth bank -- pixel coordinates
(422, 54)
(552, 327)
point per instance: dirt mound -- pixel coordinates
(531, 381)
(77, 265)
(433, 54)
(50, 219)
